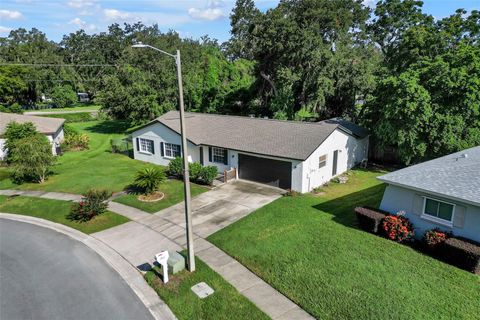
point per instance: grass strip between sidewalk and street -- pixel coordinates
(57, 211)
(225, 303)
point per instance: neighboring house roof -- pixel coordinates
(44, 125)
(456, 176)
(285, 139)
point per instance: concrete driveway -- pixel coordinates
(139, 240)
(220, 207)
(47, 275)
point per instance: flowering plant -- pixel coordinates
(433, 238)
(397, 228)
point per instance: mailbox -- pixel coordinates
(162, 259)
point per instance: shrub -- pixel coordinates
(208, 174)
(397, 228)
(16, 131)
(15, 108)
(433, 239)
(462, 253)
(31, 158)
(149, 179)
(93, 203)
(369, 219)
(118, 145)
(175, 167)
(76, 142)
(195, 171)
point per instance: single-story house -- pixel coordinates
(443, 193)
(286, 154)
(52, 128)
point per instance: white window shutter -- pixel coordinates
(417, 207)
(459, 216)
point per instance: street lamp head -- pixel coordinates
(139, 45)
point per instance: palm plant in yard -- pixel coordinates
(149, 179)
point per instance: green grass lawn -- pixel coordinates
(71, 117)
(57, 211)
(173, 190)
(79, 107)
(76, 172)
(309, 248)
(225, 303)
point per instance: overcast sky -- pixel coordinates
(189, 18)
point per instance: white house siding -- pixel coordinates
(351, 152)
(2, 153)
(397, 199)
(159, 133)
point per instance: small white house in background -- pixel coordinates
(286, 154)
(442, 193)
(52, 128)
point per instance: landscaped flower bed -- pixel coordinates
(460, 252)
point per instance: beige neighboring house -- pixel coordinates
(52, 128)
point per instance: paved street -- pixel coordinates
(47, 275)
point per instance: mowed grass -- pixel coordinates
(76, 172)
(71, 117)
(309, 248)
(78, 107)
(57, 211)
(173, 191)
(225, 303)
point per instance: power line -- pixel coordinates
(57, 65)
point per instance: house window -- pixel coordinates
(322, 161)
(438, 210)
(171, 150)
(218, 155)
(146, 145)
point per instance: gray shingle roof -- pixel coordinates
(285, 139)
(43, 124)
(453, 176)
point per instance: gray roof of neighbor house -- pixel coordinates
(456, 176)
(43, 124)
(285, 139)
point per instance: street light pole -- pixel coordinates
(186, 173)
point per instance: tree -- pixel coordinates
(242, 21)
(31, 159)
(63, 96)
(14, 132)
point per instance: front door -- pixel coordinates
(335, 160)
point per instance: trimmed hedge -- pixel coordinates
(369, 219)
(462, 253)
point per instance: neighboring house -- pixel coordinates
(443, 193)
(287, 154)
(52, 128)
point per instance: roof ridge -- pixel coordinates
(255, 118)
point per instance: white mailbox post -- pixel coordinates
(162, 259)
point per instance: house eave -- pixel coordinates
(438, 194)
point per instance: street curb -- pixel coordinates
(133, 278)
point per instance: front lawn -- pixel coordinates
(57, 211)
(76, 172)
(310, 249)
(225, 303)
(173, 190)
(76, 107)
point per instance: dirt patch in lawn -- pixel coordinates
(152, 197)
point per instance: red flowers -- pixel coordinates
(434, 237)
(397, 228)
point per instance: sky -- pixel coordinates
(190, 18)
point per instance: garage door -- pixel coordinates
(272, 172)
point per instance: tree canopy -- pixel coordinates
(411, 79)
